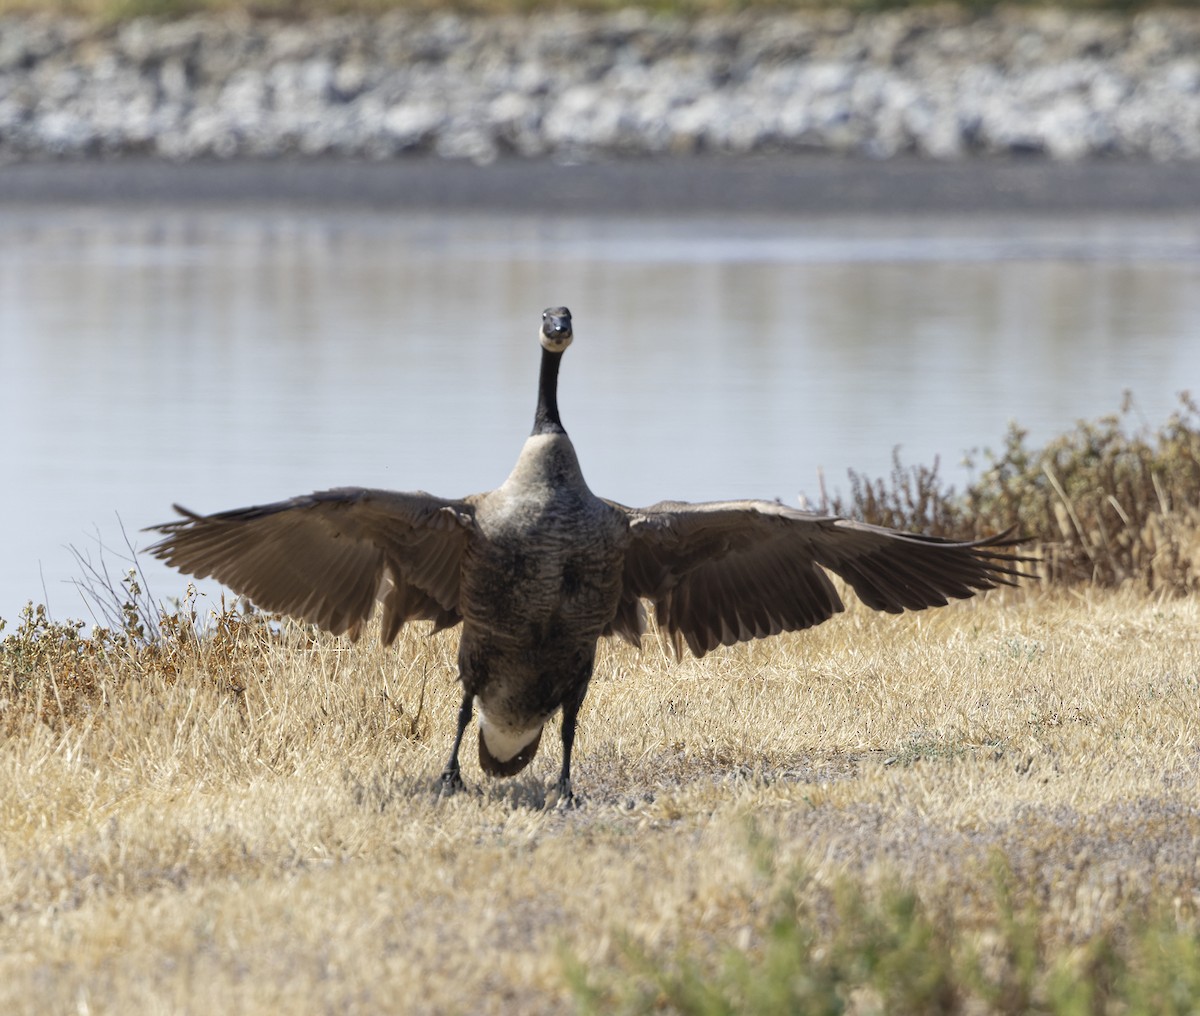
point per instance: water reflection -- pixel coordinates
(223, 358)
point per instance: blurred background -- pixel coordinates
(189, 314)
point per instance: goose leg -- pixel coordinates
(452, 780)
(570, 711)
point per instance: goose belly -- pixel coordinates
(537, 592)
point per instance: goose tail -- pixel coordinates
(505, 753)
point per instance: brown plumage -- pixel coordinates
(541, 568)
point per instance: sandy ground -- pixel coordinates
(777, 185)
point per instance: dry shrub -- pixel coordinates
(1109, 502)
(56, 673)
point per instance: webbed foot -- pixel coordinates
(450, 783)
(561, 797)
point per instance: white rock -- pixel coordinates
(569, 85)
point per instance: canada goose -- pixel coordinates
(538, 570)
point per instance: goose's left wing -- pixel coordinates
(729, 571)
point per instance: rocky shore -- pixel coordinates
(929, 82)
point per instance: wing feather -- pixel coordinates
(728, 571)
(326, 557)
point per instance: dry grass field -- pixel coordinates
(992, 807)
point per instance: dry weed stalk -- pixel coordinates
(1108, 503)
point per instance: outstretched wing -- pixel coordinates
(327, 557)
(728, 571)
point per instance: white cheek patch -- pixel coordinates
(504, 742)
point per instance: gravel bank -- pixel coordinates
(931, 83)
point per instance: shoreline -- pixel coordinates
(802, 185)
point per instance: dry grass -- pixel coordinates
(243, 822)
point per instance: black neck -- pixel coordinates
(545, 420)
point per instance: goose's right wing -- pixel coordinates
(326, 557)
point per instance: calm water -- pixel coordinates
(223, 358)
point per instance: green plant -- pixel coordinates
(848, 948)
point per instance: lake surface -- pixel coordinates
(225, 357)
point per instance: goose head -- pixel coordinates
(556, 331)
